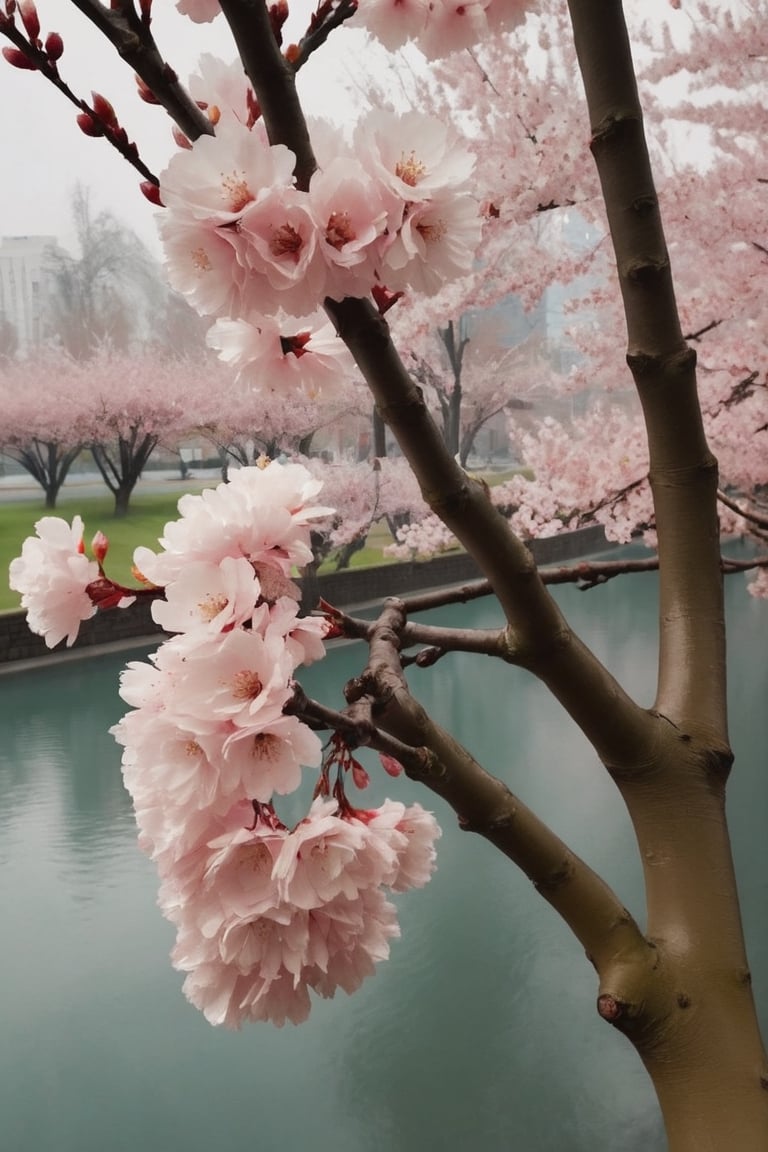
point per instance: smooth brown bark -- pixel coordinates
(693, 1018)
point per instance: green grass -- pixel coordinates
(144, 523)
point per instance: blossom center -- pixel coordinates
(234, 189)
(210, 606)
(409, 169)
(200, 260)
(431, 233)
(256, 859)
(246, 684)
(266, 746)
(339, 230)
(285, 241)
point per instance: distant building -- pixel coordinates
(25, 286)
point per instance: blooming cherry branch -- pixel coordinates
(32, 54)
(264, 912)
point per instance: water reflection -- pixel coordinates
(479, 1033)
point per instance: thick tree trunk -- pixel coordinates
(691, 1014)
(123, 499)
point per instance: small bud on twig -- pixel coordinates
(88, 125)
(54, 46)
(151, 192)
(180, 138)
(18, 59)
(29, 17)
(100, 547)
(104, 109)
(145, 92)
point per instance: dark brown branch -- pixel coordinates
(109, 130)
(273, 80)
(325, 21)
(135, 44)
(702, 331)
(537, 633)
(683, 472)
(358, 730)
(747, 513)
(486, 806)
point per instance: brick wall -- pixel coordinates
(355, 586)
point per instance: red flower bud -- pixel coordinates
(100, 546)
(54, 46)
(145, 92)
(88, 125)
(152, 193)
(359, 774)
(28, 14)
(180, 138)
(390, 765)
(104, 109)
(16, 57)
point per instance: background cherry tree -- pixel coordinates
(266, 217)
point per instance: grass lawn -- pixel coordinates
(143, 525)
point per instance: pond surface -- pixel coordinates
(479, 1033)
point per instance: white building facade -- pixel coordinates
(25, 284)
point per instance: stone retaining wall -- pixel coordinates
(343, 589)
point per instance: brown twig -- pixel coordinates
(325, 20)
(131, 36)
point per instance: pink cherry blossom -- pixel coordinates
(282, 353)
(393, 22)
(203, 264)
(238, 677)
(223, 87)
(201, 11)
(327, 855)
(417, 157)
(53, 575)
(220, 176)
(268, 758)
(436, 242)
(260, 514)
(210, 597)
(303, 635)
(280, 238)
(453, 25)
(414, 832)
(206, 190)
(350, 209)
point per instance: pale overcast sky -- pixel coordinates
(43, 153)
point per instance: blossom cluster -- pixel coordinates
(60, 587)
(391, 208)
(438, 27)
(264, 912)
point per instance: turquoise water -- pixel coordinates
(479, 1033)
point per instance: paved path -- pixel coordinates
(20, 487)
